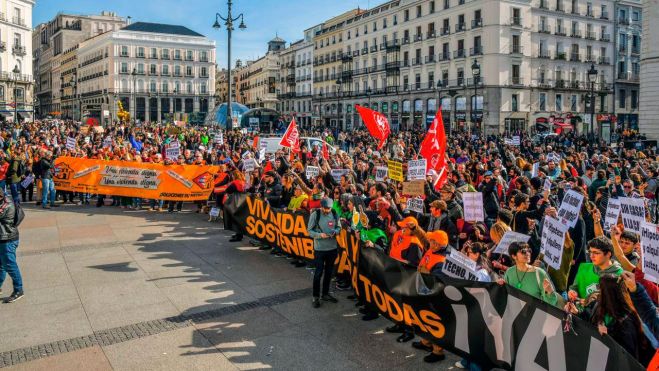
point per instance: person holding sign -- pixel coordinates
(525, 277)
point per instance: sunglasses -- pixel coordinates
(525, 251)
(627, 187)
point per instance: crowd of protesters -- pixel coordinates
(600, 278)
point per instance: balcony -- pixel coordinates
(140, 56)
(392, 45)
(165, 57)
(406, 40)
(575, 33)
(544, 29)
(364, 51)
(561, 84)
(516, 21)
(416, 61)
(460, 27)
(604, 60)
(19, 21)
(177, 57)
(544, 5)
(460, 53)
(418, 37)
(543, 54)
(516, 49)
(636, 50)
(590, 35)
(560, 31)
(575, 57)
(560, 56)
(623, 21)
(604, 15)
(445, 31)
(430, 59)
(430, 34)
(153, 56)
(355, 53)
(477, 50)
(166, 73)
(18, 50)
(605, 37)
(444, 56)
(516, 81)
(622, 49)
(346, 57)
(574, 84)
(391, 66)
(205, 60)
(374, 48)
(477, 23)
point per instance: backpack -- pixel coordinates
(317, 217)
(19, 215)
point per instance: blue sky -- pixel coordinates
(264, 18)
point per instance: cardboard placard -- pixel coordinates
(650, 246)
(338, 173)
(508, 238)
(612, 214)
(416, 170)
(536, 170)
(458, 265)
(381, 173)
(570, 208)
(415, 188)
(312, 172)
(633, 213)
(70, 143)
(415, 204)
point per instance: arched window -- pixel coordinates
(406, 106)
(418, 105)
(477, 102)
(461, 104)
(431, 106)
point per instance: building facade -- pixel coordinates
(304, 78)
(16, 83)
(649, 105)
(493, 65)
(629, 31)
(258, 80)
(159, 72)
(222, 86)
(55, 37)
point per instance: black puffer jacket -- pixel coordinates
(8, 232)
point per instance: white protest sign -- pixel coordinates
(612, 213)
(633, 213)
(215, 212)
(27, 181)
(219, 139)
(458, 265)
(245, 155)
(473, 206)
(381, 173)
(249, 165)
(553, 241)
(508, 141)
(107, 142)
(312, 172)
(536, 170)
(547, 185)
(570, 208)
(650, 246)
(70, 143)
(338, 173)
(415, 204)
(173, 150)
(516, 141)
(508, 238)
(416, 170)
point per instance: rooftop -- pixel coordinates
(161, 28)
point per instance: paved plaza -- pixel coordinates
(108, 288)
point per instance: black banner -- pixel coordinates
(492, 325)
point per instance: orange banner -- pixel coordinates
(134, 179)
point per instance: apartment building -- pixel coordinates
(51, 39)
(492, 65)
(159, 72)
(629, 31)
(257, 80)
(16, 83)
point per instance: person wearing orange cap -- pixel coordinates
(432, 262)
(407, 248)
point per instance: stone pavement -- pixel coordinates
(108, 288)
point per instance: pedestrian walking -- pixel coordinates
(8, 246)
(323, 228)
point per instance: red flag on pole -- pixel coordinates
(433, 148)
(325, 151)
(376, 123)
(291, 138)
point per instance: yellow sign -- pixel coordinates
(395, 170)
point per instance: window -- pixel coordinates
(165, 70)
(375, 26)
(418, 11)
(514, 103)
(447, 4)
(140, 69)
(188, 55)
(154, 53)
(188, 70)
(177, 70)
(634, 99)
(165, 54)
(622, 98)
(203, 88)
(384, 23)
(559, 102)
(152, 86)
(542, 104)
(204, 56)
(406, 15)
(124, 67)
(573, 103)
(140, 52)
(432, 7)
(189, 87)
(152, 69)
(164, 87)
(177, 54)
(124, 51)
(395, 19)
(204, 72)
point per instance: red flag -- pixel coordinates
(255, 143)
(433, 149)
(376, 123)
(325, 151)
(291, 138)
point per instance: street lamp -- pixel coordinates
(16, 72)
(476, 73)
(592, 77)
(228, 22)
(439, 93)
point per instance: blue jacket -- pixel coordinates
(135, 143)
(646, 309)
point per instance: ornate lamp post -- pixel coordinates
(592, 78)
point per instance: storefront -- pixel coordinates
(606, 124)
(628, 121)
